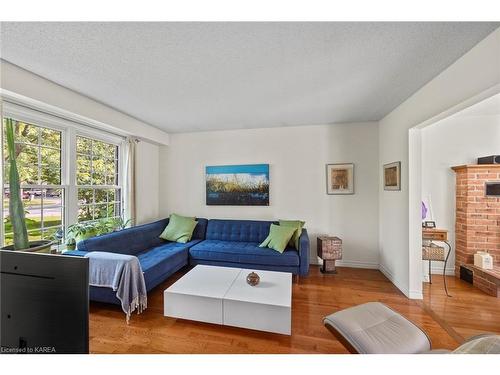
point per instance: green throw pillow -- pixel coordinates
(179, 229)
(298, 225)
(278, 237)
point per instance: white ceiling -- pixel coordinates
(206, 76)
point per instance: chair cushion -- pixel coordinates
(373, 328)
(242, 252)
(483, 344)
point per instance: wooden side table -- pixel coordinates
(329, 250)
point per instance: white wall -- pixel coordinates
(297, 158)
(475, 72)
(27, 84)
(454, 141)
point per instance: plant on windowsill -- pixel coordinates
(81, 231)
(16, 207)
(70, 244)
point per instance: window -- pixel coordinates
(38, 151)
(69, 172)
(97, 179)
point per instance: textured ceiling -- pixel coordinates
(205, 76)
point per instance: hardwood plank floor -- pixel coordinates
(468, 312)
(446, 321)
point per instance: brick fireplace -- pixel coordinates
(477, 226)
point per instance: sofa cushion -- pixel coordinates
(242, 252)
(238, 230)
(158, 260)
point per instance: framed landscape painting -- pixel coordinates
(237, 185)
(340, 178)
(392, 176)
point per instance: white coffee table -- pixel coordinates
(221, 295)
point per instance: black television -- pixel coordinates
(44, 303)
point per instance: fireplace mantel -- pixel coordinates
(476, 166)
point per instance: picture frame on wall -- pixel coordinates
(237, 185)
(340, 179)
(392, 176)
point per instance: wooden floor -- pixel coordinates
(446, 320)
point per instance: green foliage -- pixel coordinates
(96, 162)
(217, 185)
(81, 231)
(16, 209)
(32, 141)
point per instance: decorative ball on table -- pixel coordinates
(253, 279)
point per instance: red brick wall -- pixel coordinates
(477, 224)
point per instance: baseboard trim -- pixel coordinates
(437, 271)
(412, 294)
(356, 264)
(416, 295)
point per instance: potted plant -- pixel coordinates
(16, 207)
(71, 244)
(116, 223)
(81, 231)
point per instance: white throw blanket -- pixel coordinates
(123, 274)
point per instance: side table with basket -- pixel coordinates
(433, 252)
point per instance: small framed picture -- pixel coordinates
(340, 178)
(392, 176)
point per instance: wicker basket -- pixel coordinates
(433, 252)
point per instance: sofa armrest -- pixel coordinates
(304, 250)
(75, 253)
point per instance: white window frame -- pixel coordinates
(120, 180)
(69, 130)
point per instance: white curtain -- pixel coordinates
(130, 184)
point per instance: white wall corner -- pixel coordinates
(387, 273)
(416, 294)
(415, 218)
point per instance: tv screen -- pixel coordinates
(44, 303)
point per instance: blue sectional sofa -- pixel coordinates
(229, 243)
(159, 259)
(235, 243)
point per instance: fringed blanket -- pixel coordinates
(123, 274)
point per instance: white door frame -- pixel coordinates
(415, 188)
